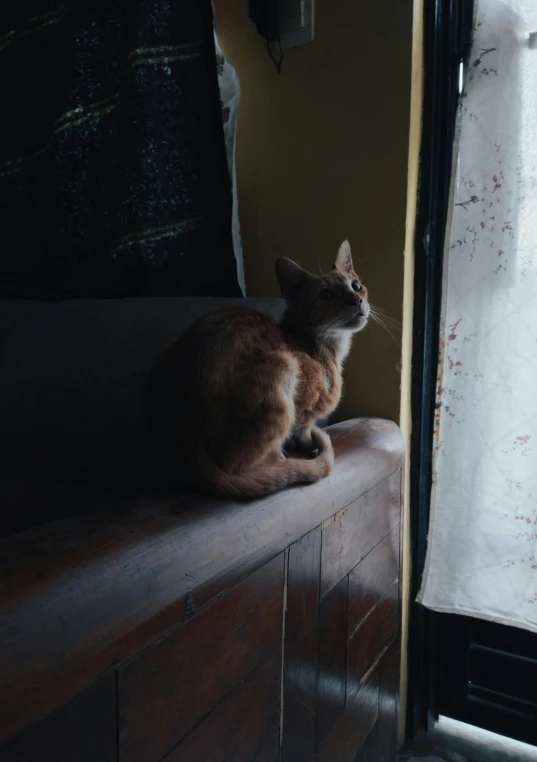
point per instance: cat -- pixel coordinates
(227, 398)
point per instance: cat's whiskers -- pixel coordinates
(389, 320)
(384, 321)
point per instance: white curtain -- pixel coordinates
(230, 94)
(482, 546)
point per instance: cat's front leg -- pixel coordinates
(301, 443)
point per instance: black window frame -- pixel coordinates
(447, 36)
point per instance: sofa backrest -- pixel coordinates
(72, 379)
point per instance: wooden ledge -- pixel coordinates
(81, 595)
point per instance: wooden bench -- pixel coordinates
(174, 627)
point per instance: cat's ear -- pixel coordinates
(290, 276)
(343, 261)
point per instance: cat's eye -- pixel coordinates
(327, 295)
(356, 286)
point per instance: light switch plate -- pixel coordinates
(296, 22)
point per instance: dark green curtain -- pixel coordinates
(113, 175)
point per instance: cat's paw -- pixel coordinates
(326, 457)
(309, 446)
(310, 452)
(295, 447)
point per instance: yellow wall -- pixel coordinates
(330, 149)
(405, 420)
(322, 155)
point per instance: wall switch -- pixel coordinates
(296, 22)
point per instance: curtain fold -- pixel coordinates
(230, 95)
(482, 546)
(113, 171)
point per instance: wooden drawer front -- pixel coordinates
(84, 730)
(342, 613)
(371, 578)
(353, 727)
(372, 638)
(332, 668)
(241, 726)
(172, 686)
(270, 752)
(301, 647)
(390, 674)
(351, 533)
(381, 745)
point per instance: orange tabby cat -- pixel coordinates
(237, 386)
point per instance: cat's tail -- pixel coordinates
(271, 477)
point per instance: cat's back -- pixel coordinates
(205, 381)
(231, 331)
(226, 358)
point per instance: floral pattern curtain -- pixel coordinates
(482, 550)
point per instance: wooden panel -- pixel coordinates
(301, 644)
(368, 751)
(381, 745)
(499, 716)
(81, 595)
(371, 578)
(512, 640)
(353, 728)
(331, 693)
(173, 685)
(505, 673)
(390, 669)
(371, 638)
(270, 752)
(351, 533)
(241, 725)
(84, 730)
(458, 693)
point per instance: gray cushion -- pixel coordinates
(72, 379)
